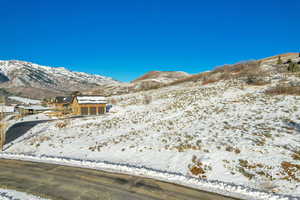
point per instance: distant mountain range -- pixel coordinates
(36, 81)
(27, 79)
(32, 80)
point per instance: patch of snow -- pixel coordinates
(25, 100)
(35, 107)
(7, 109)
(91, 99)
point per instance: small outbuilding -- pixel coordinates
(7, 109)
(34, 109)
(89, 105)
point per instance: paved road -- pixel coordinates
(20, 129)
(72, 183)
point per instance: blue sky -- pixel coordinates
(125, 39)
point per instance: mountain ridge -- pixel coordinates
(21, 74)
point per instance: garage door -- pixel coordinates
(93, 111)
(101, 110)
(84, 111)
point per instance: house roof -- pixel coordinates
(7, 109)
(91, 99)
(62, 99)
(34, 107)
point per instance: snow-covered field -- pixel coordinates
(225, 131)
(6, 194)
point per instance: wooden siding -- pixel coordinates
(88, 109)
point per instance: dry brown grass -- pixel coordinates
(195, 77)
(232, 149)
(198, 168)
(210, 81)
(281, 55)
(243, 69)
(245, 168)
(296, 156)
(185, 147)
(62, 124)
(38, 140)
(291, 171)
(284, 90)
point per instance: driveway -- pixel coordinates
(20, 129)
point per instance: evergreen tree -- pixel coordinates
(293, 67)
(279, 61)
(290, 66)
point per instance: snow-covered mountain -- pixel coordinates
(19, 74)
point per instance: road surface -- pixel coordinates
(71, 183)
(20, 129)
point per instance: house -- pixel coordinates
(61, 103)
(34, 109)
(89, 105)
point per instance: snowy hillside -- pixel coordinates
(231, 130)
(161, 76)
(25, 100)
(24, 74)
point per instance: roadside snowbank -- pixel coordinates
(6, 194)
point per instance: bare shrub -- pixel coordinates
(208, 81)
(296, 156)
(242, 69)
(198, 168)
(256, 79)
(38, 140)
(62, 124)
(113, 101)
(147, 99)
(237, 151)
(290, 171)
(192, 78)
(284, 90)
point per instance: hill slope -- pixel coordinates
(230, 128)
(162, 76)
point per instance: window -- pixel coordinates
(101, 110)
(84, 111)
(93, 111)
